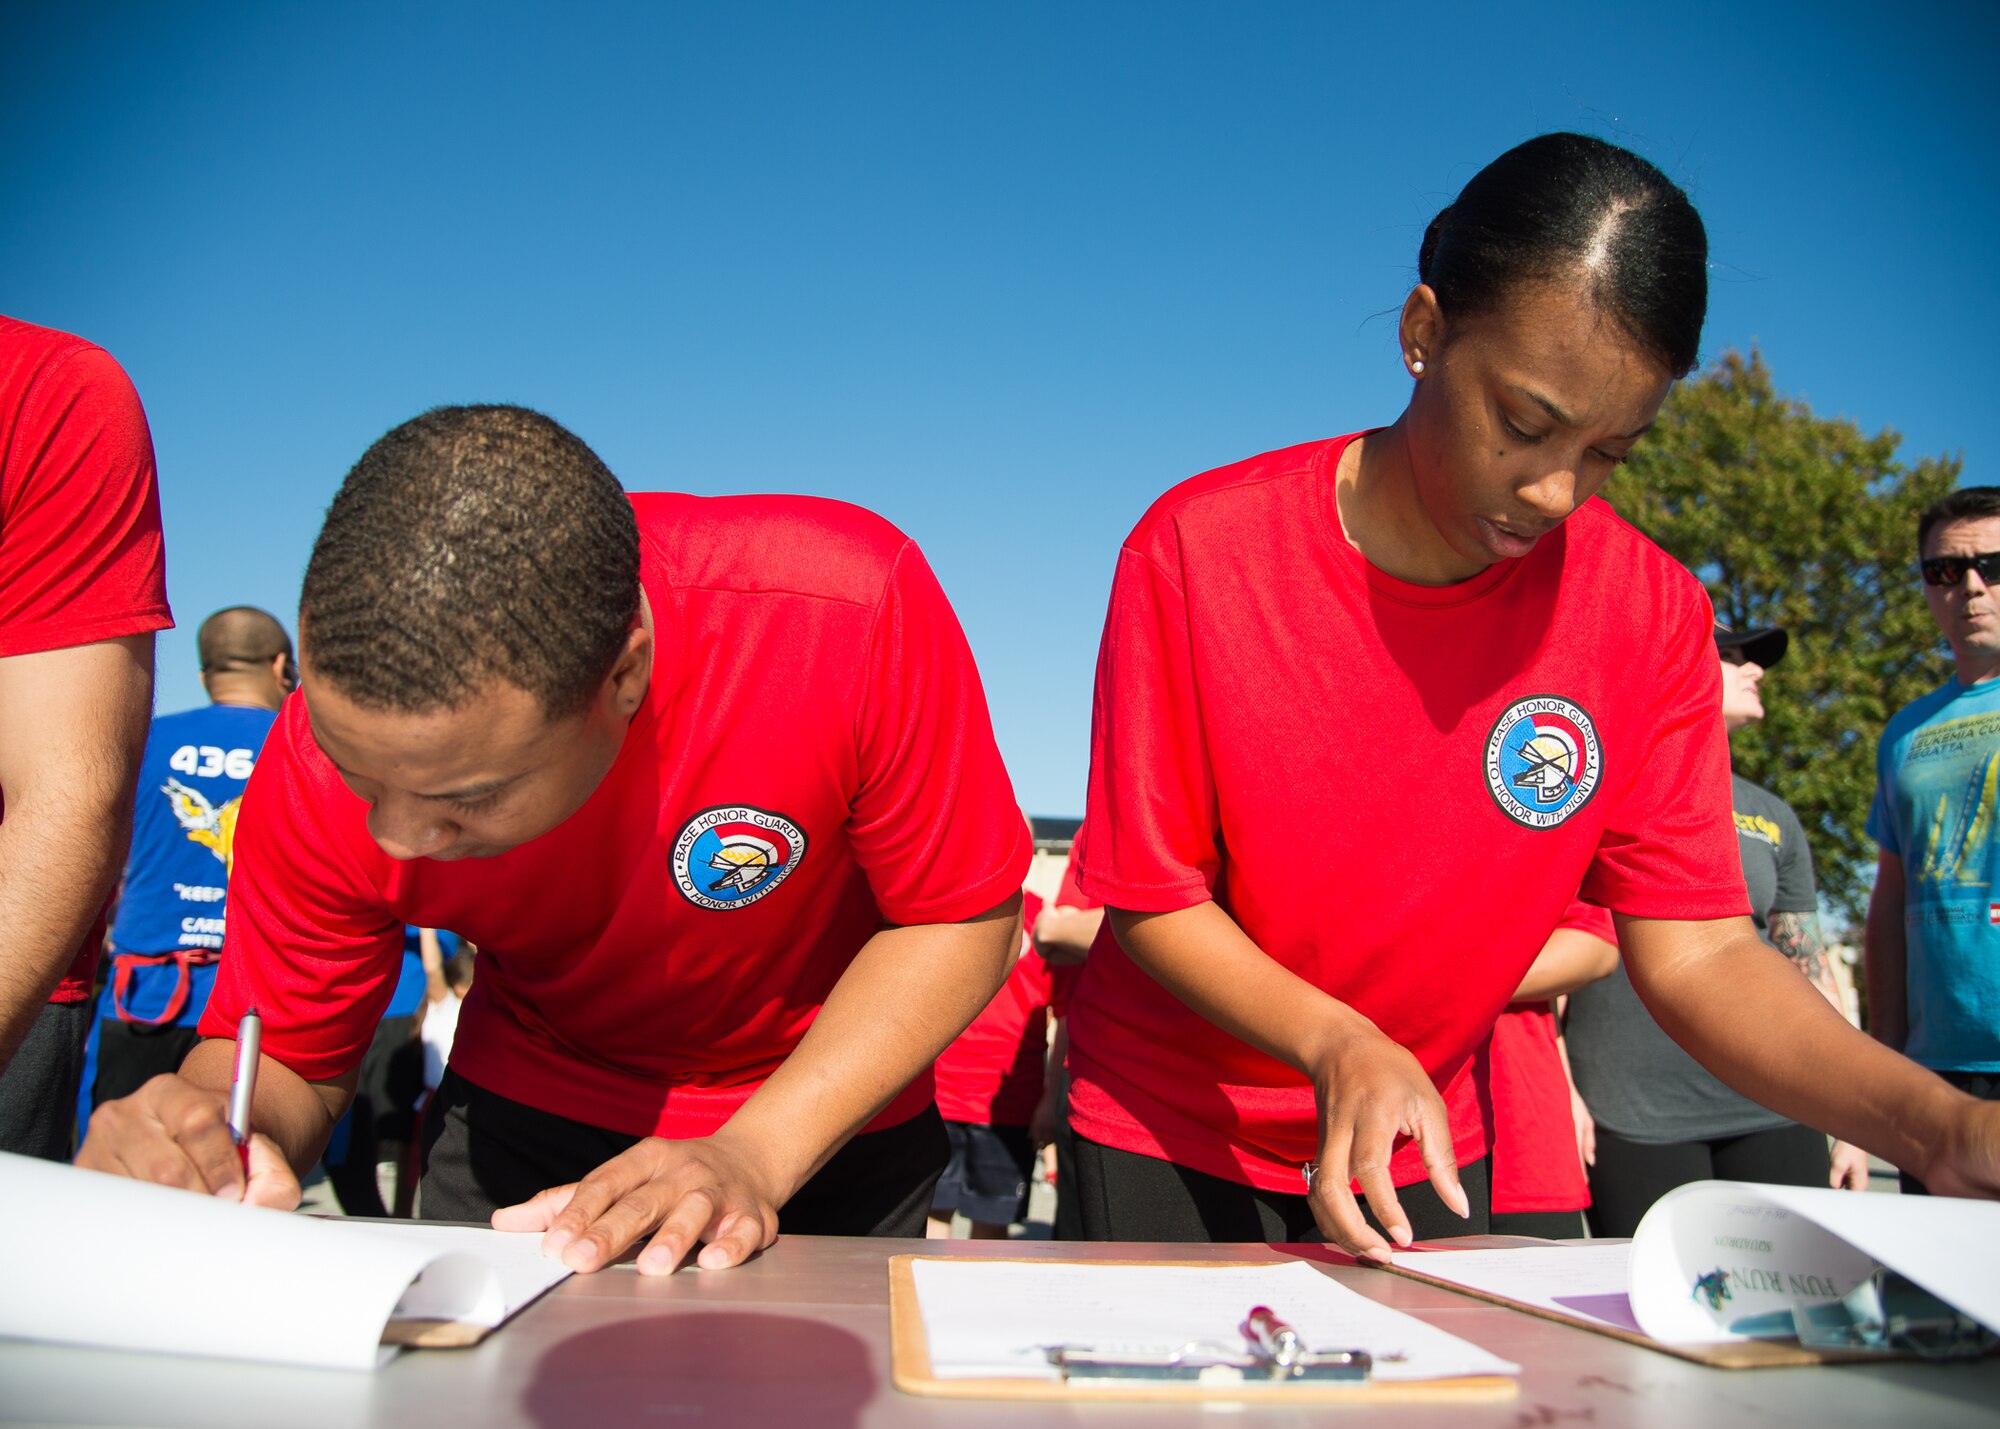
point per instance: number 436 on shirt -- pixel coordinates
(208, 760)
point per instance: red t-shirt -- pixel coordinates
(1395, 790)
(992, 1073)
(1535, 1165)
(813, 758)
(1069, 893)
(81, 558)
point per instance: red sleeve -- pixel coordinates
(1070, 894)
(1148, 841)
(934, 822)
(81, 557)
(309, 942)
(1669, 847)
(1589, 918)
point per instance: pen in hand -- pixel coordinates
(243, 1085)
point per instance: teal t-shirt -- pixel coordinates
(1937, 792)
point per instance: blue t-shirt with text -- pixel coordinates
(183, 836)
(1937, 793)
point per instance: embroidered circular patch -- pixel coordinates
(732, 855)
(1543, 760)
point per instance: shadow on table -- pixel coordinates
(725, 1368)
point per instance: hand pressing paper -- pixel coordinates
(170, 1272)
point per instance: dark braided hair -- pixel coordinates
(470, 544)
(1569, 208)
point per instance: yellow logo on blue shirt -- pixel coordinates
(203, 823)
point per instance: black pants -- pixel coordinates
(129, 1056)
(38, 1087)
(1124, 1196)
(1548, 1225)
(1630, 1175)
(483, 1151)
(1985, 1086)
(383, 1116)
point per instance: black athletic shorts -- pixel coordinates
(483, 1151)
(1122, 1195)
(987, 1178)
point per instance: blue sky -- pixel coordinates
(1002, 272)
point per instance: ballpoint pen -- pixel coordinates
(243, 1085)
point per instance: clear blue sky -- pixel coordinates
(1002, 272)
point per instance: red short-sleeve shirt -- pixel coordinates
(814, 758)
(81, 557)
(1394, 789)
(1535, 1161)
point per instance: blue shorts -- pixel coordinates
(987, 1177)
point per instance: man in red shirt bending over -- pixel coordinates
(712, 785)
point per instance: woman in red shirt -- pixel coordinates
(1370, 711)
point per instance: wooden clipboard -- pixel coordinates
(910, 1361)
(1742, 1354)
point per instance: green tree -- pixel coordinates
(1805, 522)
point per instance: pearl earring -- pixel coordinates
(1416, 367)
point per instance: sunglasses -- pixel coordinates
(1950, 570)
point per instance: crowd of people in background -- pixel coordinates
(1414, 894)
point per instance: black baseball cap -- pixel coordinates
(1759, 647)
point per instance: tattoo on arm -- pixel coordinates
(1796, 935)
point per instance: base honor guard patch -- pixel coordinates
(1543, 760)
(732, 855)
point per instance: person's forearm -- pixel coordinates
(1884, 962)
(296, 1114)
(1201, 956)
(1569, 960)
(906, 995)
(58, 863)
(1063, 935)
(1746, 1015)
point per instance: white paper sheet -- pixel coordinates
(91, 1259)
(1586, 1281)
(1711, 1257)
(1716, 1261)
(994, 1319)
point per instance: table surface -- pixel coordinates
(801, 1336)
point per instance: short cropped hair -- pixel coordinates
(468, 545)
(239, 637)
(1968, 503)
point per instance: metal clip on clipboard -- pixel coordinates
(1275, 1355)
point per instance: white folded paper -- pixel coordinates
(91, 1259)
(1724, 1261)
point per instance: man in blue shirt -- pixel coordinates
(1933, 938)
(168, 931)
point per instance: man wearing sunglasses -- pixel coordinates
(1933, 939)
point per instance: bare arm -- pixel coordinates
(1569, 960)
(1368, 1089)
(72, 729)
(1742, 1011)
(1063, 935)
(1885, 955)
(907, 993)
(1796, 935)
